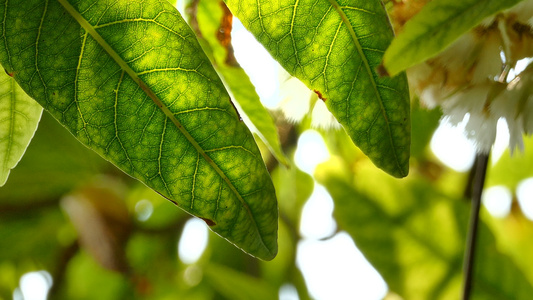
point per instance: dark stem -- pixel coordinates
(477, 189)
(469, 187)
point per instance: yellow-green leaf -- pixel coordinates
(237, 285)
(511, 169)
(214, 22)
(19, 117)
(130, 81)
(414, 235)
(51, 166)
(335, 47)
(435, 27)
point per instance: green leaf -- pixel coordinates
(293, 186)
(334, 47)
(244, 92)
(42, 224)
(424, 123)
(510, 170)
(51, 166)
(131, 82)
(435, 27)
(514, 234)
(85, 279)
(236, 285)
(214, 28)
(19, 117)
(163, 216)
(414, 236)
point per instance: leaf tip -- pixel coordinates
(271, 255)
(403, 172)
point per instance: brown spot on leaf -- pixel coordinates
(382, 72)
(209, 222)
(8, 73)
(320, 95)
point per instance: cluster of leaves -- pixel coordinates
(131, 82)
(147, 91)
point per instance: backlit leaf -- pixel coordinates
(130, 81)
(214, 22)
(19, 117)
(51, 166)
(236, 285)
(414, 236)
(435, 27)
(510, 170)
(334, 47)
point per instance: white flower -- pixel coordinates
(515, 105)
(469, 101)
(298, 101)
(488, 64)
(470, 105)
(322, 118)
(461, 54)
(464, 80)
(296, 98)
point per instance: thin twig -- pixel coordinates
(477, 189)
(477, 183)
(469, 187)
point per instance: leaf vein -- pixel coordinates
(370, 75)
(194, 180)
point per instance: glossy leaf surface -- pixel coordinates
(19, 117)
(334, 47)
(435, 27)
(130, 81)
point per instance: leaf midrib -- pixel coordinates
(134, 76)
(12, 101)
(449, 20)
(368, 69)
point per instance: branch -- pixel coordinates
(477, 189)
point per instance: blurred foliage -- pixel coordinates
(414, 234)
(67, 211)
(510, 170)
(411, 230)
